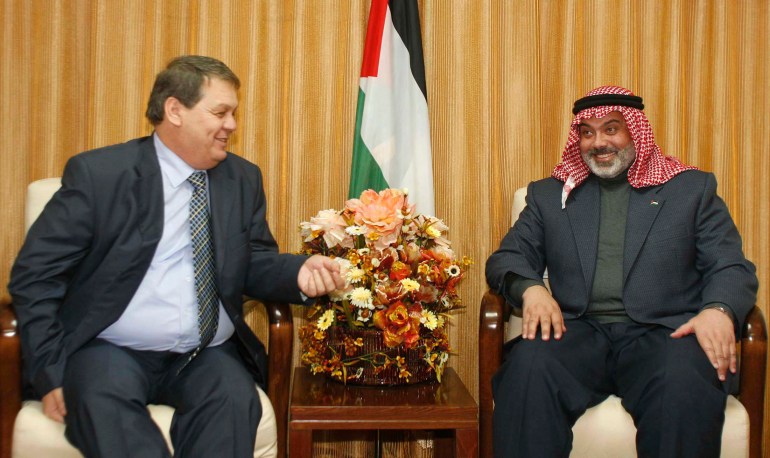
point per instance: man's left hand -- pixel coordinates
(319, 275)
(716, 336)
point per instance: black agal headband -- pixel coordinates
(599, 100)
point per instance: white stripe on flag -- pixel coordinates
(395, 125)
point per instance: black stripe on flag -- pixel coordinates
(406, 21)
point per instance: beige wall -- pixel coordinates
(501, 79)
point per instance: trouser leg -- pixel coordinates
(217, 406)
(106, 389)
(543, 387)
(672, 391)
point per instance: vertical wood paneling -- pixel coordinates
(501, 79)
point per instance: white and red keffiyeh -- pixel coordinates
(650, 168)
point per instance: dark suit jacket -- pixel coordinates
(681, 250)
(87, 253)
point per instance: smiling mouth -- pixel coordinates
(604, 154)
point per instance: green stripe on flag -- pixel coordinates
(365, 172)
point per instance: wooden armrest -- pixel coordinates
(493, 314)
(10, 375)
(280, 346)
(753, 363)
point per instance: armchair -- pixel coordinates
(607, 430)
(25, 431)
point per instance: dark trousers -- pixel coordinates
(667, 385)
(107, 389)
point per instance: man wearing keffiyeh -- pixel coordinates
(648, 285)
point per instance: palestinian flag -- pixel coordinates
(392, 142)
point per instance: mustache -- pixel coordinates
(603, 150)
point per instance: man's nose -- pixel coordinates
(230, 123)
(600, 140)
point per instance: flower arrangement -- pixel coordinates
(388, 325)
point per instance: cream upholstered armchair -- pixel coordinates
(26, 432)
(607, 430)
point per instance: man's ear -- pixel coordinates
(172, 109)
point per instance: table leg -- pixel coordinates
(467, 442)
(443, 443)
(300, 443)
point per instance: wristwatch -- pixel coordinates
(722, 309)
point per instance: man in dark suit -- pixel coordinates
(648, 286)
(129, 287)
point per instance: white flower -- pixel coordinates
(409, 285)
(375, 262)
(356, 230)
(325, 320)
(363, 251)
(361, 297)
(429, 319)
(452, 270)
(355, 275)
(363, 315)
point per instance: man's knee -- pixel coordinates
(100, 374)
(220, 380)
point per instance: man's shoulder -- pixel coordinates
(547, 185)
(118, 154)
(694, 180)
(239, 162)
(238, 167)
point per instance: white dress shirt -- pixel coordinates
(163, 314)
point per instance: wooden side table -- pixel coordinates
(320, 403)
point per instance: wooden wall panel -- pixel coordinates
(501, 80)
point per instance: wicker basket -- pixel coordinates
(373, 344)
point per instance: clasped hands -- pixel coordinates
(712, 328)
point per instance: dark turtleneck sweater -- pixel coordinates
(606, 302)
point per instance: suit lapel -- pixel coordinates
(147, 192)
(221, 195)
(583, 213)
(643, 208)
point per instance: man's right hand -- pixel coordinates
(540, 309)
(53, 405)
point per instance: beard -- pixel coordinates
(618, 164)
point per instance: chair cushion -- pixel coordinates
(38, 194)
(36, 436)
(607, 430)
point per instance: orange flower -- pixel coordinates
(398, 325)
(399, 271)
(381, 213)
